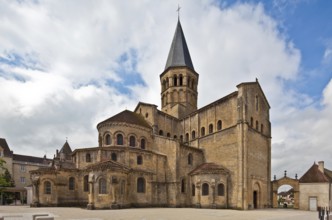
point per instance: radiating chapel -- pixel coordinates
(216, 156)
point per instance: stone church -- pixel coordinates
(217, 156)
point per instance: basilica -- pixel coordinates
(215, 156)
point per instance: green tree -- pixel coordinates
(5, 177)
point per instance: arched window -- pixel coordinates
(221, 189)
(71, 183)
(114, 157)
(139, 160)
(190, 159)
(122, 188)
(219, 125)
(47, 187)
(141, 185)
(193, 189)
(256, 102)
(188, 82)
(132, 141)
(202, 131)
(143, 143)
(166, 83)
(108, 139)
(181, 80)
(183, 186)
(262, 128)
(168, 135)
(187, 137)
(175, 80)
(205, 189)
(257, 125)
(193, 84)
(161, 133)
(210, 128)
(102, 186)
(88, 157)
(86, 183)
(181, 138)
(251, 122)
(193, 135)
(175, 137)
(119, 139)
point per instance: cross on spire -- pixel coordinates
(178, 10)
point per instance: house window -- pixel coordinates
(210, 128)
(114, 157)
(219, 125)
(143, 143)
(202, 131)
(139, 160)
(190, 159)
(47, 187)
(22, 168)
(221, 189)
(71, 183)
(86, 183)
(108, 139)
(161, 133)
(183, 186)
(193, 190)
(141, 185)
(119, 139)
(88, 158)
(102, 186)
(205, 189)
(132, 141)
(22, 179)
(193, 135)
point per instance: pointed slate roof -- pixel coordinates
(66, 149)
(179, 54)
(128, 117)
(314, 175)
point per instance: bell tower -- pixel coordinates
(179, 80)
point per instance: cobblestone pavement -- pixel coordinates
(25, 212)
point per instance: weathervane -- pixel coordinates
(178, 10)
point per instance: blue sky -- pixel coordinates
(62, 72)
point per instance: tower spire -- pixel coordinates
(178, 10)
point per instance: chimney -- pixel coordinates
(321, 166)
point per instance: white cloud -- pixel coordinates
(71, 51)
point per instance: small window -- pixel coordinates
(188, 82)
(210, 128)
(161, 133)
(143, 143)
(193, 135)
(47, 187)
(123, 186)
(190, 159)
(22, 168)
(205, 189)
(141, 185)
(114, 156)
(251, 122)
(221, 189)
(175, 80)
(181, 138)
(102, 186)
(71, 183)
(139, 160)
(256, 102)
(187, 137)
(202, 131)
(262, 128)
(22, 179)
(257, 125)
(168, 135)
(219, 125)
(175, 137)
(108, 139)
(146, 115)
(132, 141)
(86, 183)
(88, 158)
(193, 190)
(183, 186)
(181, 80)
(119, 139)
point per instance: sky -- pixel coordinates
(67, 65)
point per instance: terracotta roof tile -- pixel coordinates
(314, 175)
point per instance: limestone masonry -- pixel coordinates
(218, 156)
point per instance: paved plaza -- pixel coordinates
(25, 212)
